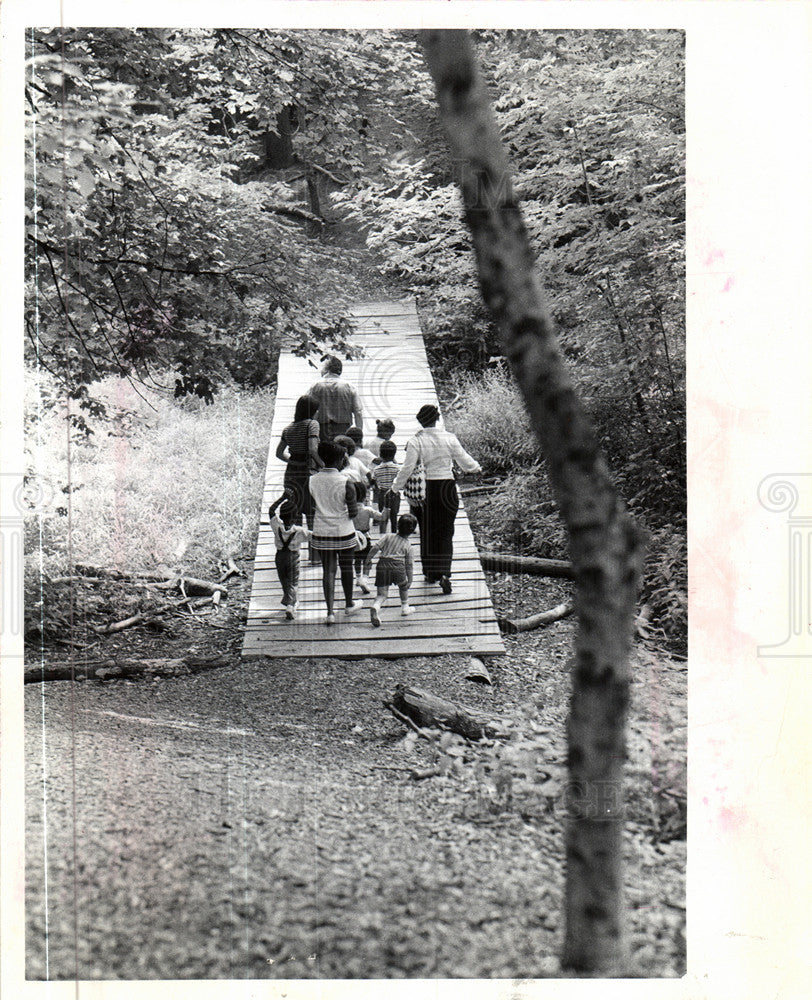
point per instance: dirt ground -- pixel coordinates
(261, 821)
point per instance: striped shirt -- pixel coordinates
(393, 549)
(385, 474)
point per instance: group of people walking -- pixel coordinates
(330, 469)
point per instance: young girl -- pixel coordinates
(354, 470)
(333, 530)
(361, 453)
(363, 523)
(394, 566)
(385, 431)
(288, 538)
(383, 474)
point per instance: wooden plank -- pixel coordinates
(257, 645)
(393, 379)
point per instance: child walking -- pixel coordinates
(288, 538)
(384, 474)
(355, 470)
(363, 524)
(385, 429)
(395, 565)
(361, 453)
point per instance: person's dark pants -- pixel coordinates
(391, 506)
(297, 480)
(287, 566)
(331, 429)
(416, 510)
(437, 528)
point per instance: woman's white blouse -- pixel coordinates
(437, 449)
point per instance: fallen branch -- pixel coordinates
(327, 173)
(500, 562)
(147, 617)
(294, 213)
(511, 626)
(96, 573)
(104, 669)
(473, 491)
(420, 710)
(195, 588)
(232, 570)
(139, 619)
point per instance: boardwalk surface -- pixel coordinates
(394, 380)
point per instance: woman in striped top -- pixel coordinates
(333, 531)
(298, 448)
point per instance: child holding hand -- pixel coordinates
(363, 524)
(383, 475)
(355, 470)
(395, 565)
(288, 538)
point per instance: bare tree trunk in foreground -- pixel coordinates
(605, 546)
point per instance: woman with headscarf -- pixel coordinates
(437, 450)
(298, 447)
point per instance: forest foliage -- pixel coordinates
(198, 197)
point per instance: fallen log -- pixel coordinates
(510, 626)
(502, 562)
(165, 579)
(474, 491)
(197, 588)
(108, 669)
(97, 573)
(425, 710)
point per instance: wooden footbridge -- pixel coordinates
(393, 380)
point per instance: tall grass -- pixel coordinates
(491, 422)
(173, 483)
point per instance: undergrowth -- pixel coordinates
(521, 517)
(158, 482)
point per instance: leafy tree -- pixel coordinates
(155, 242)
(594, 123)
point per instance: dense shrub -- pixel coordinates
(521, 516)
(491, 422)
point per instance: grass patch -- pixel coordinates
(158, 482)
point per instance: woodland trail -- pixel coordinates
(393, 380)
(253, 822)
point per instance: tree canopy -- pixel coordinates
(198, 196)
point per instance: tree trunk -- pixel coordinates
(605, 546)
